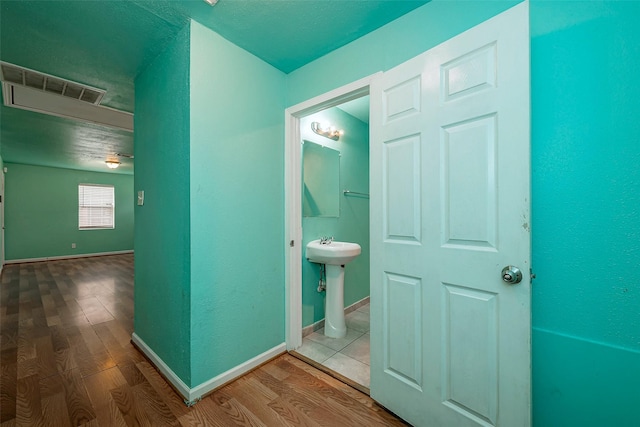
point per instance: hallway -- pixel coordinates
(67, 360)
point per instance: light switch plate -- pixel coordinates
(140, 198)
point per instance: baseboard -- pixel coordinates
(312, 328)
(356, 305)
(54, 258)
(193, 395)
(233, 373)
(164, 369)
(320, 323)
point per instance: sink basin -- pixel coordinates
(334, 253)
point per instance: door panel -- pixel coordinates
(470, 73)
(450, 136)
(402, 100)
(403, 328)
(469, 183)
(470, 353)
(402, 189)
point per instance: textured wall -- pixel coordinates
(162, 234)
(237, 205)
(586, 235)
(586, 349)
(353, 223)
(41, 213)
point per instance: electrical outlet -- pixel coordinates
(73, 246)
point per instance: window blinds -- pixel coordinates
(96, 206)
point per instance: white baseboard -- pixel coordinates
(193, 395)
(237, 371)
(165, 370)
(53, 258)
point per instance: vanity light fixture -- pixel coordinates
(327, 131)
(112, 164)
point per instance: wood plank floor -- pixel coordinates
(66, 360)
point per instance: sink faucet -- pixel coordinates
(326, 240)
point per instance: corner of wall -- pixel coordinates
(236, 196)
(162, 232)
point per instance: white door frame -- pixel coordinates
(293, 197)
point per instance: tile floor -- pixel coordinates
(348, 356)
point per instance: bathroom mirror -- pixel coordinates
(321, 181)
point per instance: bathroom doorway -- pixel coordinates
(335, 204)
(347, 110)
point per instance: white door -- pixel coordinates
(450, 339)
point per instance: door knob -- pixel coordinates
(511, 275)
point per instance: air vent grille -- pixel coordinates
(45, 82)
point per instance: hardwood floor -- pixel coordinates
(66, 360)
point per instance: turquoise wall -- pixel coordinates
(585, 158)
(41, 213)
(219, 147)
(210, 158)
(585, 176)
(353, 223)
(237, 205)
(162, 234)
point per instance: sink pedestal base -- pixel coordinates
(334, 324)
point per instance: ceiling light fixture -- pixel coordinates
(327, 131)
(211, 2)
(112, 164)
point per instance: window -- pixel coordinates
(96, 206)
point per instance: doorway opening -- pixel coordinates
(347, 108)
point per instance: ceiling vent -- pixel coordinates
(34, 91)
(37, 80)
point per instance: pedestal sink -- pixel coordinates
(334, 255)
